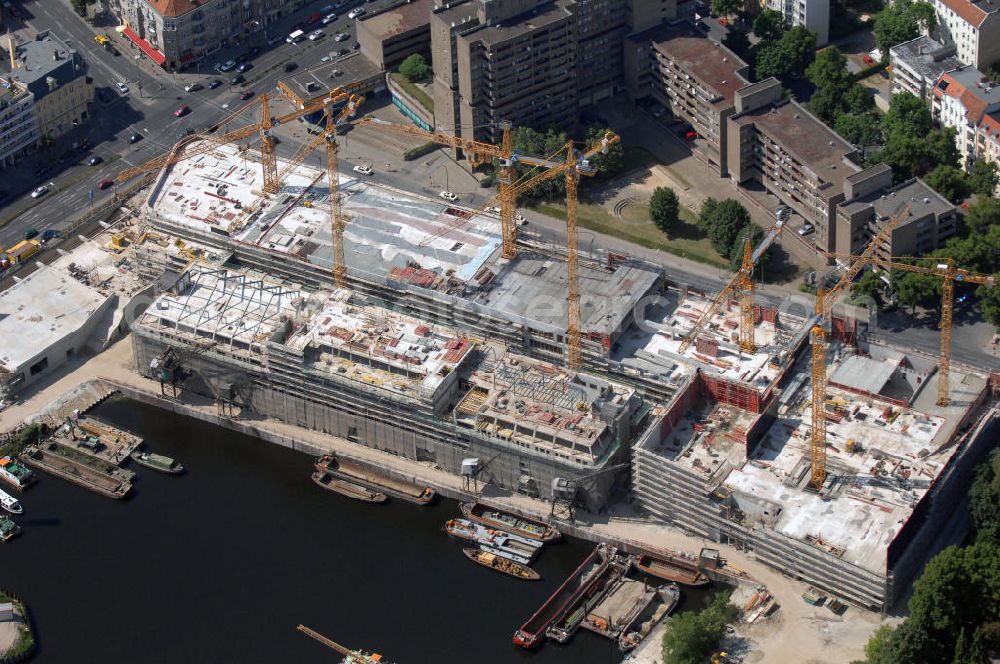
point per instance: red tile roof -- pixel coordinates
(967, 11)
(173, 8)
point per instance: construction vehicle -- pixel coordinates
(817, 337)
(350, 656)
(742, 283)
(187, 147)
(946, 269)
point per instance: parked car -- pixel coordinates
(316, 34)
(229, 65)
(806, 229)
(50, 234)
(244, 66)
(30, 232)
(342, 51)
(448, 196)
(182, 111)
(103, 95)
(363, 169)
(325, 59)
(40, 191)
(236, 80)
(214, 83)
(291, 66)
(520, 220)
(690, 135)
(355, 13)
(110, 48)
(246, 95)
(105, 184)
(95, 160)
(342, 36)
(329, 18)
(781, 212)
(187, 132)
(134, 138)
(122, 88)
(356, 46)
(193, 87)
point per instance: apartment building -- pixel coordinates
(693, 76)
(389, 36)
(919, 63)
(18, 125)
(968, 101)
(870, 200)
(974, 28)
(813, 15)
(55, 76)
(780, 145)
(176, 33)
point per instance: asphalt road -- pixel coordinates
(147, 109)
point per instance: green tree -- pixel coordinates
(551, 144)
(948, 181)
(722, 222)
(769, 25)
(859, 129)
(984, 500)
(608, 163)
(983, 177)
(415, 68)
(691, 636)
(737, 41)
(917, 153)
(726, 7)
(870, 285)
(913, 288)
(908, 116)
(902, 21)
(989, 303)
(981, 215)
(788, 57)
(829, 70)
(664, 209)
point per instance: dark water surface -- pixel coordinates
(221, 563)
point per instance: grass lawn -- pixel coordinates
(422, 97)
(687, 241)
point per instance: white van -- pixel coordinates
(296, 37)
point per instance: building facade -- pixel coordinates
(389, 36)
(919, 63)
(969, 102)
(56, 77)
(18, 124)
(974, 28)
(813, 15)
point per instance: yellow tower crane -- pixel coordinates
(950, 274)
(742, 283)
(817, 338)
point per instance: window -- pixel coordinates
(39, 366)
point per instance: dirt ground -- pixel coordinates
(796, 630)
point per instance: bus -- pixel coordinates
(296, 37)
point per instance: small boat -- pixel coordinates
(522, 549)
(164, 464)
(8, 529)
(500, 564)
(495, 518)
(9, 503)
(15, 474)
(348, 489)
(684, 573)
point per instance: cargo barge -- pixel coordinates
(495, 518)
(671, 569)
(513, 547)
(603, 583)
(664, 601)
(532, 632)
(379, 481)
(115, 486)
(348, 489)
(498, 563)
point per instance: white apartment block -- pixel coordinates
(969, 102)
(813, 15)
(917, 65)
(18, 126)
(974, 28)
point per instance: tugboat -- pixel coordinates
(495, 518)
(164, 464)
(15, 474)
(509, 567)
(8, 529)
(9, 503)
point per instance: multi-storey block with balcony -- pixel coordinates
(56, 76)
(813, 15)
(389, 36)
(793, 154)
(974, 28)
(918, 64)
(18, 126)
(693, 76)
(964, 99)
(871, 199)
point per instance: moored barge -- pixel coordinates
(347, 488)
(496, 518)
(493, 561)
(372, 477)
(665, 601)
(513, 547)
(671, 569)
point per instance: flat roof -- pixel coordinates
(40, 310)
(922, 200)
(714, 66)
(391, 236)
(398, 19)
(927, 57)
(817, 147)
(354, 68)
(864, 374)
(522, 24)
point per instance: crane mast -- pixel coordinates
(268, 158)
(337, 220)
(573, 333)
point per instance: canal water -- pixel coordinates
(220, 565)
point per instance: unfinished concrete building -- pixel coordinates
(897, 465)
(331, 362)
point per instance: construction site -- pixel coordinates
(434, 332)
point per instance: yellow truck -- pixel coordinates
(23, 250)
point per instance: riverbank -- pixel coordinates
(17, 641)
(777, 640)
